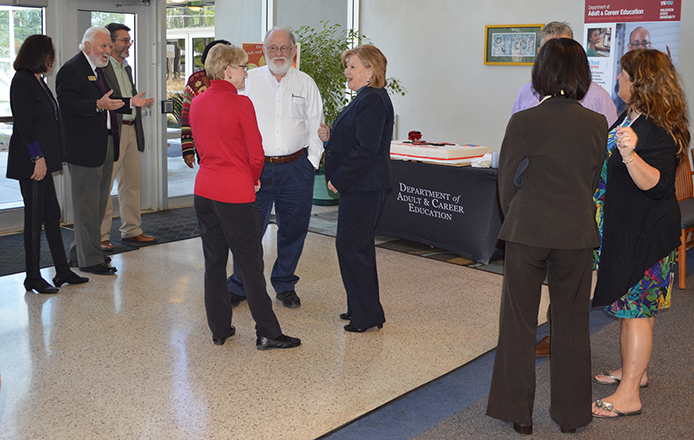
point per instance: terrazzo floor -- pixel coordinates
(130, 356)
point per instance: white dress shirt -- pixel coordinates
(289, 112)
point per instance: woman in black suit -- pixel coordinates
(550, 162)
(357, 165)
(35, 152)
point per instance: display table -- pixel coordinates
(454, 208)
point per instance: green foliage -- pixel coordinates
(103, 18)
(184, 17)
(321, 58)
(321, 51)
(26, 22)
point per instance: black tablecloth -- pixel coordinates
(454, 208)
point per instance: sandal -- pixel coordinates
(615, 379)
(609, 407)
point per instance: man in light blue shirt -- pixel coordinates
(596, 99)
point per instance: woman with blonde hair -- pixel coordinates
(639, 217)
(357, 165)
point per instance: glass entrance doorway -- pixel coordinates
(188, 30)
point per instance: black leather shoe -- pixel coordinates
(523, 429)
(283, 341)
(289, 299)
(568, 430)
(236, 299)
(100, 269)
(221, 341)
(40, 285)
(349, 328)
(107, 259)
(69, 278)
(345, 316)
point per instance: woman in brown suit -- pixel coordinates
(549, 167)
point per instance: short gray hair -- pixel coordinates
(555, 29)
(280, 28)
(91, 33)
(222, 55)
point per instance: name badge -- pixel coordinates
(91, 78)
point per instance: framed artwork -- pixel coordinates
(511, 44)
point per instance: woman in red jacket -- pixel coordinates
(231, 160)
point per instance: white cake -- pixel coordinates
(436, 152)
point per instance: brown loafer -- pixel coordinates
(106, 245)
(142, 238)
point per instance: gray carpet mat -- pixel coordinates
(167, 226)
(667, 408)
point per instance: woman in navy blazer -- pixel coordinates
(357, 165)
(35, 152)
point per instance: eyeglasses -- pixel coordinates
(283, 49)
(645, 44)
(244, 67)
(124, 40)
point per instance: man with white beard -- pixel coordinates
(90, 128)
(289, 110)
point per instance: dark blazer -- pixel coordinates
(84, 127)
(36, 119)
(357, 157)
(565, 146)
(112, 82)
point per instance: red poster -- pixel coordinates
(626, 11)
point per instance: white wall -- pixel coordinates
(436, 48)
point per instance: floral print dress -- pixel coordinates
(654, 291)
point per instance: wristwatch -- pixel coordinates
(36, 158)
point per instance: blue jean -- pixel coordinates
(290, 187)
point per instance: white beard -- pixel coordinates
(97, 61)
(279, 69)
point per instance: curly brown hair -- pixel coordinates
(656, 92)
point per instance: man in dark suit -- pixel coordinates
(132, 140)
(90, 128)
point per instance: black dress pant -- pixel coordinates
(235, 227)
(356, 222)
(512, 391)
(41, 208)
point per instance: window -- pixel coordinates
(16, 24)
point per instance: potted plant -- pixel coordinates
(321, 58)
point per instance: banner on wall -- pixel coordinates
(614, 27)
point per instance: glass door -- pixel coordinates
(188, 30)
